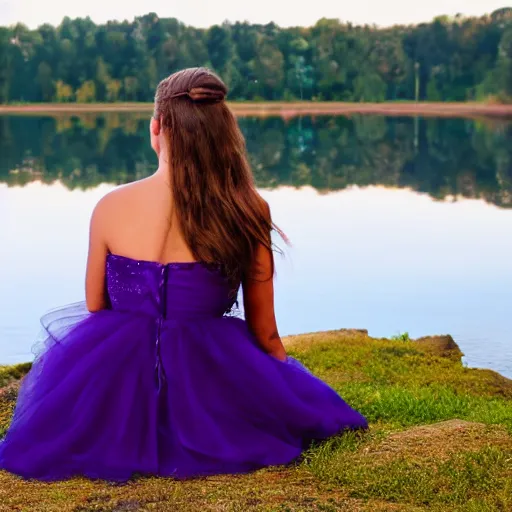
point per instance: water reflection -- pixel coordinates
(441, 157)
(376, 255)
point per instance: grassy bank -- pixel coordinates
(286, 109)
(439, 440)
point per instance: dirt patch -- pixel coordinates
(345, 336)
(438, 441)
(280, 489)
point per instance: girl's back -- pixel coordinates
(137, 220)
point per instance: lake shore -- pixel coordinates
(440, 439)
(285, 109)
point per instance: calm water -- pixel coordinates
(397, 224)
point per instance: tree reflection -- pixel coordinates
(441, 157)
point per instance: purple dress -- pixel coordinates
(163, 383)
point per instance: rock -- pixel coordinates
(444, 346)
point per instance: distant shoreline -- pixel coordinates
(284, 109)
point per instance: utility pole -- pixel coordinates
(417, 81)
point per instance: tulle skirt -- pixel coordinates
(114, 394)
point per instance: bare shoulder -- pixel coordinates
(118, 198)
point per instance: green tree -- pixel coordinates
(45, 82)
(452, 59)
(86, 93)
(369, 87)
(5, 64)
(220, 47)
(113, 90)
(505, 62)
(102, 79)
(63, 92)
(433, 93)
(131, 87)
(269, 68)
(147, 77)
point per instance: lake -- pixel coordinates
(397, 224)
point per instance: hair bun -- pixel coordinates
(206, 94)
(198, 85)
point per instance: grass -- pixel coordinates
(439, 440)
(9, 374)
(401, 337)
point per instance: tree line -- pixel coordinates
(449, 59)
(441, 157)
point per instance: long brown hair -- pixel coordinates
(222, 217)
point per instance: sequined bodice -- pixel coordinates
(172, 290)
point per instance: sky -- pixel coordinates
(205, 13)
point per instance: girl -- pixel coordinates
(156, 378)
